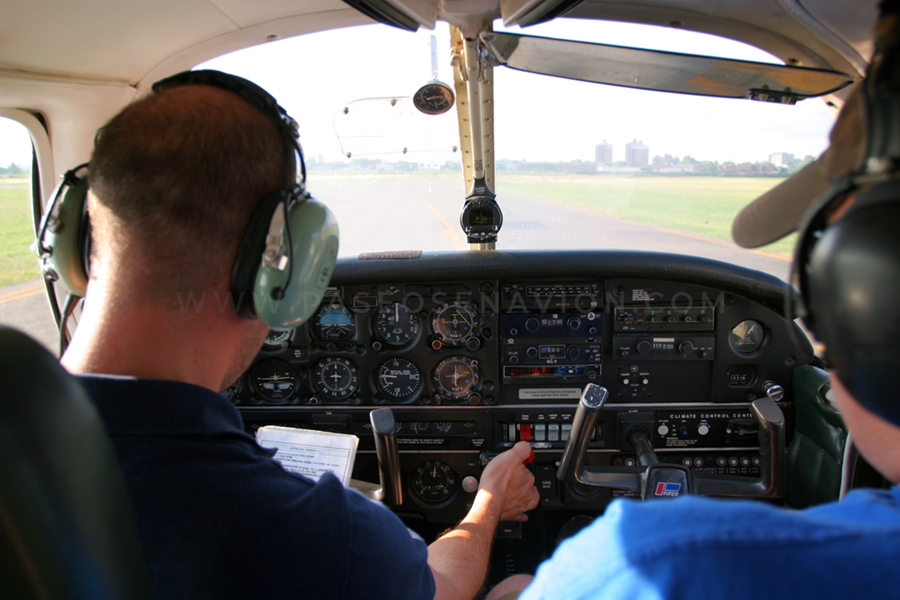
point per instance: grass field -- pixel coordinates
(699, 205)
(17, 263)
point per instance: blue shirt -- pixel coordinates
(219, 518)
(701, 548)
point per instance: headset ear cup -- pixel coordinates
(314, 241)
(65, 236)
(853, 287)
(246, 265)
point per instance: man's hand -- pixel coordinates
(511, 484)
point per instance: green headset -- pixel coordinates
(288, 252)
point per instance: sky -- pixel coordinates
(538, 117)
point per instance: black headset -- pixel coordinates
(849, 271)
(285, 259)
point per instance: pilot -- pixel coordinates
(846, 207)
(175, 179)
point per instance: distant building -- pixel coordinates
(781, 159)
(637, 154)
(603, 153)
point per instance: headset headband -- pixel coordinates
(252, 94)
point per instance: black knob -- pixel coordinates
(685, 348)
(532, 324)
(644, 347)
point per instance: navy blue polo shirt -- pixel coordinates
(219, 518)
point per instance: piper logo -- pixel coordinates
(668, 489)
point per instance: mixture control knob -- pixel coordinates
(470, 484)
(773, 390)
(644, 347)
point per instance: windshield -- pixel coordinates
(578, 165)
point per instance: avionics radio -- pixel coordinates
(546, 348)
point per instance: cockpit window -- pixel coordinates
(23, 304)
(578, 165)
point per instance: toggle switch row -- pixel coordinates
(538, 432)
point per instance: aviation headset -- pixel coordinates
(285, 259)
(849, 270)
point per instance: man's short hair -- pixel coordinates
(181, 171)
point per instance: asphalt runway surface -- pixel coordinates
(424, 215)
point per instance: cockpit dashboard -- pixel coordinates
(476, 351)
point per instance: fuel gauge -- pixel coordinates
(434, 481)
(747, 337)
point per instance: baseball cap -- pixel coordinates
(779, 211)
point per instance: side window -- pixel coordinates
(23, 302)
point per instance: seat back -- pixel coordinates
(66, 527)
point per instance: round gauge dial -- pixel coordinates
(336, 378)
(399, 378)
(274, 379)
(434, 98)
(277, 339)
(396, 324)
(454, 323)
(456, 377)
(434, 481)
(747, 337)
(334, 322)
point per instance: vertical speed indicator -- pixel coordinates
(399, 379)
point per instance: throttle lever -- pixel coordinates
(592, 400)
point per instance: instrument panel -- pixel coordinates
(476, 351)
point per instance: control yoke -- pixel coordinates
(384, 427)
(654, 479)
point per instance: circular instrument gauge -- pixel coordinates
(277, 339)
(434, 481)
(456, 377)
(747, 337)
(334, 322)
(434, 98)
(274, 379)
(336, 378)
(396, 324)
(399, 378)
(454, 323)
